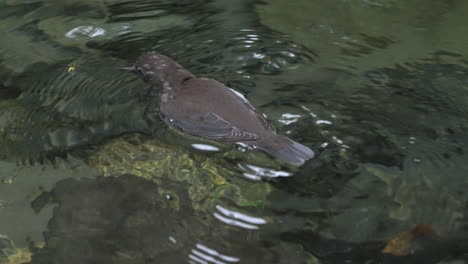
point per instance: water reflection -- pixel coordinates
(323, 122)
(289, 118)
(257, 173)
(238, 219)
(88, 31)
(203, 254)
(173, 240)
(205, 147)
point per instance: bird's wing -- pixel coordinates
(212, 127)
(259, 115)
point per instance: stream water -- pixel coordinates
(377, 88)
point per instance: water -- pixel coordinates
(378, 89)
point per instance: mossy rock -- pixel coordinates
(206, 176)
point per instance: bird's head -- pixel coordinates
(159, 70)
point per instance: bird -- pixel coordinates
(208, 109)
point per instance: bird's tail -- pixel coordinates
(286, 149)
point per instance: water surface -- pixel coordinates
(378, 89)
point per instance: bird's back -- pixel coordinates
(201, 96)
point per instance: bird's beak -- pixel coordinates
(128, 69)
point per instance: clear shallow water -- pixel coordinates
(90, 174)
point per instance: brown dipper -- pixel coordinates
(208, 109)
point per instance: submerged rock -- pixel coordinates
(21, 49)
(155, 161)
(118, 219)
(77, 31)
(127, 219)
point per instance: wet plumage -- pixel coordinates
(206, 108)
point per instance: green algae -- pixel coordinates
(207, 179)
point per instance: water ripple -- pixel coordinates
(203, 254)
(257, 173)
(238, 219)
